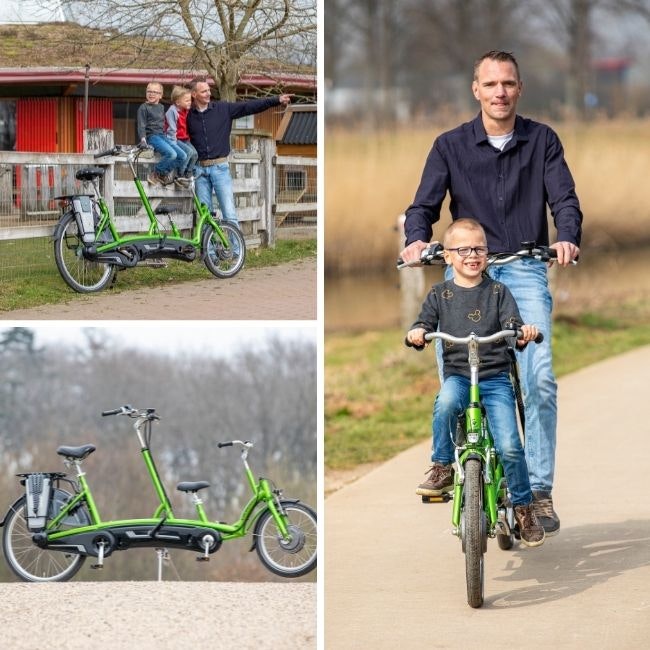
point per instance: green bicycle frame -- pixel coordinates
(262, 494)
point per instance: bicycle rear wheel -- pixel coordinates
(289, 558)
(222, 261)
(79, 273)
(475, 531)
(28, 561)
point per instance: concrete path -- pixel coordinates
(395, 575)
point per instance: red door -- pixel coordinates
(100, 116)
(36, 122)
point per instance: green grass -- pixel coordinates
(29, 276)
(379, 394)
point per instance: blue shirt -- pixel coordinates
(506, 191)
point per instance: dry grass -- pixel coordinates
(370, 178)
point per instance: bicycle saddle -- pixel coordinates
(89, 173)
(188, 486)
(165, 209)
(76, 452)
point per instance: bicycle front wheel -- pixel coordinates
(293, 557)
(224, 261)
(28, 561)
(79, 273)
(475, 532)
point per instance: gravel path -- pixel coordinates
(157, 615)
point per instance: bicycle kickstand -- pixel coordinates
(163, 555)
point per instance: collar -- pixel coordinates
(480, 136)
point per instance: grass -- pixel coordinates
(372, 179)
(379, 394)
(26, 283)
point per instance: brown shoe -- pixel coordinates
(546, 515)
(441, 479)
(530, 530)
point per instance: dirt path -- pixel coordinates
(158, 615)
(284, 292)
(395, 575)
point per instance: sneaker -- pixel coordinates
(441, 479)
(154, 178)
(543, 503)
(183, 182)
(167, 179)
(530, 530)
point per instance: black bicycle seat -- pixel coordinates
(195, 486)
(76, 452)
(89, 173)
(165, 209)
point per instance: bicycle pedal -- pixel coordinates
(442, 498)
(202, 558)
(154, 264)
(96, 566)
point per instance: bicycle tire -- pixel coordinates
(29, 562)
(298, 556)
(475, 532)
(222, 262)
(80, 274)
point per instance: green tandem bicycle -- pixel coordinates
(50, 531)
(88, 249)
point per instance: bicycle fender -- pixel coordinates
(259, 514)
(12, 508)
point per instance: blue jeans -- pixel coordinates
(191, 157)
(217, 178)
(172, 155)
(527, 280)
(498, 398)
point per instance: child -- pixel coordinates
(473, 302)
(150, 124)
(177, 132)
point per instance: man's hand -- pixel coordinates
(413, 251)
(566, 252)
(285, 99)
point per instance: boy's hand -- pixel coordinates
(529, 333)
(416, 337)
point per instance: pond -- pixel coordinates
(369, 302)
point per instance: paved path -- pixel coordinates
(284, 292)
(395, 574)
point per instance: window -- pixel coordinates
(246, 122)
(295, 180)
(7, 125)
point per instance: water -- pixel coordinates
(359, 302)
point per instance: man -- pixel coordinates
(503, 170)
(209, 125)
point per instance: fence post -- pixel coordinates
(268, 185)
(411, 283)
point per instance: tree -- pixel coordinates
(228, 36)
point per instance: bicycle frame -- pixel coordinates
(163, 514)
(203, 217)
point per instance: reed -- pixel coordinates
(371, 178)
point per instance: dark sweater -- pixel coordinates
(209, 130)
(150, 120)
(485, 309)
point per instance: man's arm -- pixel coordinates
(241, 109)
(563, 201)
(425, 209)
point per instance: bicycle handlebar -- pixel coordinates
(243, 443)
(127, 409)
(492, 338)
(433, 255)
(121, 149)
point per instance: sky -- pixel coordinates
(176, 337)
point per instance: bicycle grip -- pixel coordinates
(539, 338)
(224, 444)
(408, 344)
(108, 152)
(112, 412)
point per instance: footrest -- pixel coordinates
(442, 498)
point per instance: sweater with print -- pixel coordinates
(484, 309)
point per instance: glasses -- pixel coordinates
(154, 92)
(465, 251)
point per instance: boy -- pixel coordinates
(473, 302)
(177, 133)
(150, 124)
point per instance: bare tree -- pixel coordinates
(228, 36)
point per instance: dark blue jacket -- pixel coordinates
(209, 130)
(506, 191)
